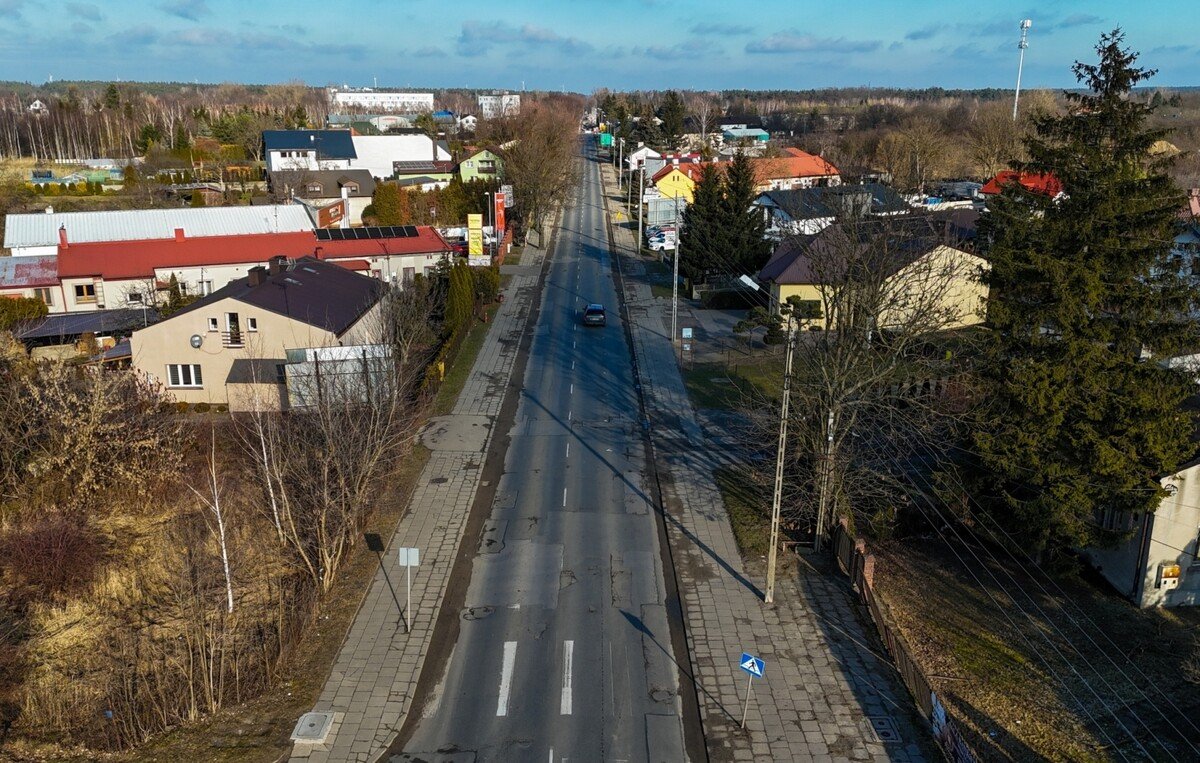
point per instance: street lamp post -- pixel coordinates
(675, 273)
(641, 191)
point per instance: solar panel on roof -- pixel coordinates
(410, 231)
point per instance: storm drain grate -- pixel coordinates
(885, 729)
(312, 728)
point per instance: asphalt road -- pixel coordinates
(564, 651)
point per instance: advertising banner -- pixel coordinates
(474, 235)
(506, 189)
(332, 215)
(499, 218)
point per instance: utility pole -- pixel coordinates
(823, 490)
(780, 454)
(675, 273)
(642, 190)
(1023, 44)
(620, 162)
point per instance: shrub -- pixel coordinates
(53, 554)
(22, 308)
(181, 407)
(221, 408)
(201, 408)
(487, 283)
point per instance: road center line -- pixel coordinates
(568, 448)
(564, 706)
(506, 672)
(564, 496)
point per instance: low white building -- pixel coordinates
(379, 154)
(381, 100)
(499, 105)
(1156, 566)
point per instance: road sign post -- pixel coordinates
(754, 668)
(409, 558)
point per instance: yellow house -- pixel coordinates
(678, 180)
(925, 279)
(233, 346)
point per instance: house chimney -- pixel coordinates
(257, 276)
(179, 234)
(275, 264)
(62, 237)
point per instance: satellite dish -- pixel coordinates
(196, 341)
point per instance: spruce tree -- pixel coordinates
(704, 239)
(1086, 300)
(746, 237)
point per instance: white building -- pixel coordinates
(495, 106)
(382, 100)
(286, 150)
(378, 154)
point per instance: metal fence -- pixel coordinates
(859, 566)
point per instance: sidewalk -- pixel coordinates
(372, 682)
(825, 694)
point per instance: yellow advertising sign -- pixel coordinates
(474, 235)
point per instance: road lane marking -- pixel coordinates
(564, 705)
(506, 673)
(568, 415)
(564, 496)
(568, 448)
(572, 392)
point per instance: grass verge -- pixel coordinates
(993, 674)
(460, 369)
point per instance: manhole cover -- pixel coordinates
(885, 729)
(312, 728)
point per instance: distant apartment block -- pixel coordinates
(380, 100)
(495, 106)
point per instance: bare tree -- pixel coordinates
(212, 501)
(994, 140)
(539, 158)
(869, 392)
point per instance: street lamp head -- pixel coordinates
(1026, 23)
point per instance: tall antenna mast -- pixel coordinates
(1023, 44)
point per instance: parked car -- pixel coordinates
(593, 315)
(659, 229)
(660, 245)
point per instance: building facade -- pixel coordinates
(496, 106)
(381, 100)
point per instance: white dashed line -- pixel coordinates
(506, 672)
(564, 705)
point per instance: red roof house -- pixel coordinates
(1044, 184)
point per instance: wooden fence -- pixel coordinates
(859, 566)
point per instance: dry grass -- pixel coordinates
(995, 679)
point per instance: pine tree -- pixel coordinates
(1085, 288)
(386, 201)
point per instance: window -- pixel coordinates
(313, 188)
(252, 324)
(212, 324)
(281, 373)
(45, 295)
(85, 292)
(184, 375)
(134, 297)
(351, 188)
(409, 274)
(205, 288)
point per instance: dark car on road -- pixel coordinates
(593, 315)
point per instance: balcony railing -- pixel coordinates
(232, 339)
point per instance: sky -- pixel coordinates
(581, 45)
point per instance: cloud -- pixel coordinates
(694, 48)
(191, 10)
(1077, 19)
(925, 32)
(429, 51)
(139, 35)
(716, 28)
(477, 37)
(80, 29)
(11, 9)
(793, 41)
(85, 11)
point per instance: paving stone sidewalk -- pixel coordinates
(826, 695)
(372, 682)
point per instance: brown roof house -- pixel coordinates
(919, 265)
(235, 345)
